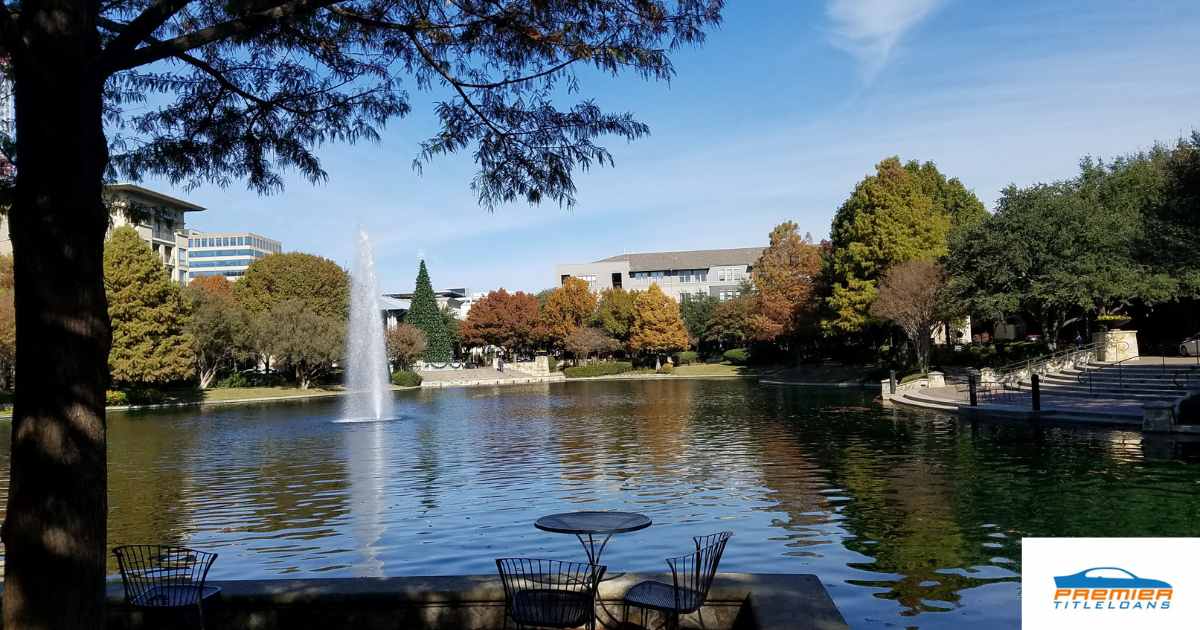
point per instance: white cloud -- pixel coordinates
(871, 29)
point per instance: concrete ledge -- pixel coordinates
(741, 601)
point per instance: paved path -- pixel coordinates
(481, 376)
(1022, 401)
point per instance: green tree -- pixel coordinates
(615, 313)
(697, 313)
(150, 344)
(321, 284)
(427, 317)
(657, 327)
(217, 327)
(195, 91)
(901, 213)
(303, 340)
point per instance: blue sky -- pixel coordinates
(776, 118)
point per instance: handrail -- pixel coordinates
(1037, 366)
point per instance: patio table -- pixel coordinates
(588, 527)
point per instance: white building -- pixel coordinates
(715, 272)
(395, 305)
(226, 254)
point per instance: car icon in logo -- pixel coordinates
(1106, 577)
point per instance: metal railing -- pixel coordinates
(1185, 375)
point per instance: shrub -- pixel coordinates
(405, 378)
(738, 356)
(666, 368)
(237, 379)
(144, 396)
(686, 358)
(553, 363)
(115, 398)
(607, 368)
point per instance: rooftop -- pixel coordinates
(134, 189)
(694, 259)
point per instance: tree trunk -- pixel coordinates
(207, 374)
(54, 531)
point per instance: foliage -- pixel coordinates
(566, 309)
(615, 313)
(8, 324)
(979, 355)
(405, 345)
(657, 326)
(144, 396)
(150, 341)
(304, 341)
(217, 325)
(903, 212)
(730, 323)
(322, 285)
(607, 368)
(697, 313)
(586, 341)
(502, 319)
(785, 280)
(424, 314)
(234, 380)
(686, 358)
(406, 378)
(115, 398)
(453, 328)
(666, 368)
(910, 295)
(737, 356)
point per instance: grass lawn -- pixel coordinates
(247, 393)
(712, 369)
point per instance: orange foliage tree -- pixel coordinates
(657, 326)
(785, 279)
(501, 319)
(567, 308)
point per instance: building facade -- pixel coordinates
(226, 254)
(158, 218)
(716, 272)
(395, 305)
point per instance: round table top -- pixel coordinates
(593, 522)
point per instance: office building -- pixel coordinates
(715, 272)
(226, 254)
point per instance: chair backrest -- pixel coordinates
(693, 574)
(531, 574)
(711, 539)
(163, 575)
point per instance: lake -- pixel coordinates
(911, 519)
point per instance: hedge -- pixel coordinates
(607, 368)
(686, 358)
(737, 356)
(405, 378)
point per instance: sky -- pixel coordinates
(775, 118)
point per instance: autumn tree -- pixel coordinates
(502, 319)
(426, 316)
(150, 344)
(405, 345)
(785, 281)
(195, 91)
(217, 326)
(567, 308)
(903, 212)
(8, 325)
(911, 296)
(615, 313)
(319, 283)
(657, 327)
(585, 341)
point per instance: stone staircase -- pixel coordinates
(1143, 381)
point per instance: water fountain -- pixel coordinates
(370, 396)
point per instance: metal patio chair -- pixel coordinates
(549, 593)
(691, 577)
(166, 579)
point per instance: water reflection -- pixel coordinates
(911, 519)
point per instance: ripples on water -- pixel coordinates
(910, 519)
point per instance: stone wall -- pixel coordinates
(539, 366)
(740, 601)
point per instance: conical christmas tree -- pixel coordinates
(425, 315)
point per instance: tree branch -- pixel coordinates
(247, 24)
(141, 28)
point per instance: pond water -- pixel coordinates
(911, 519)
